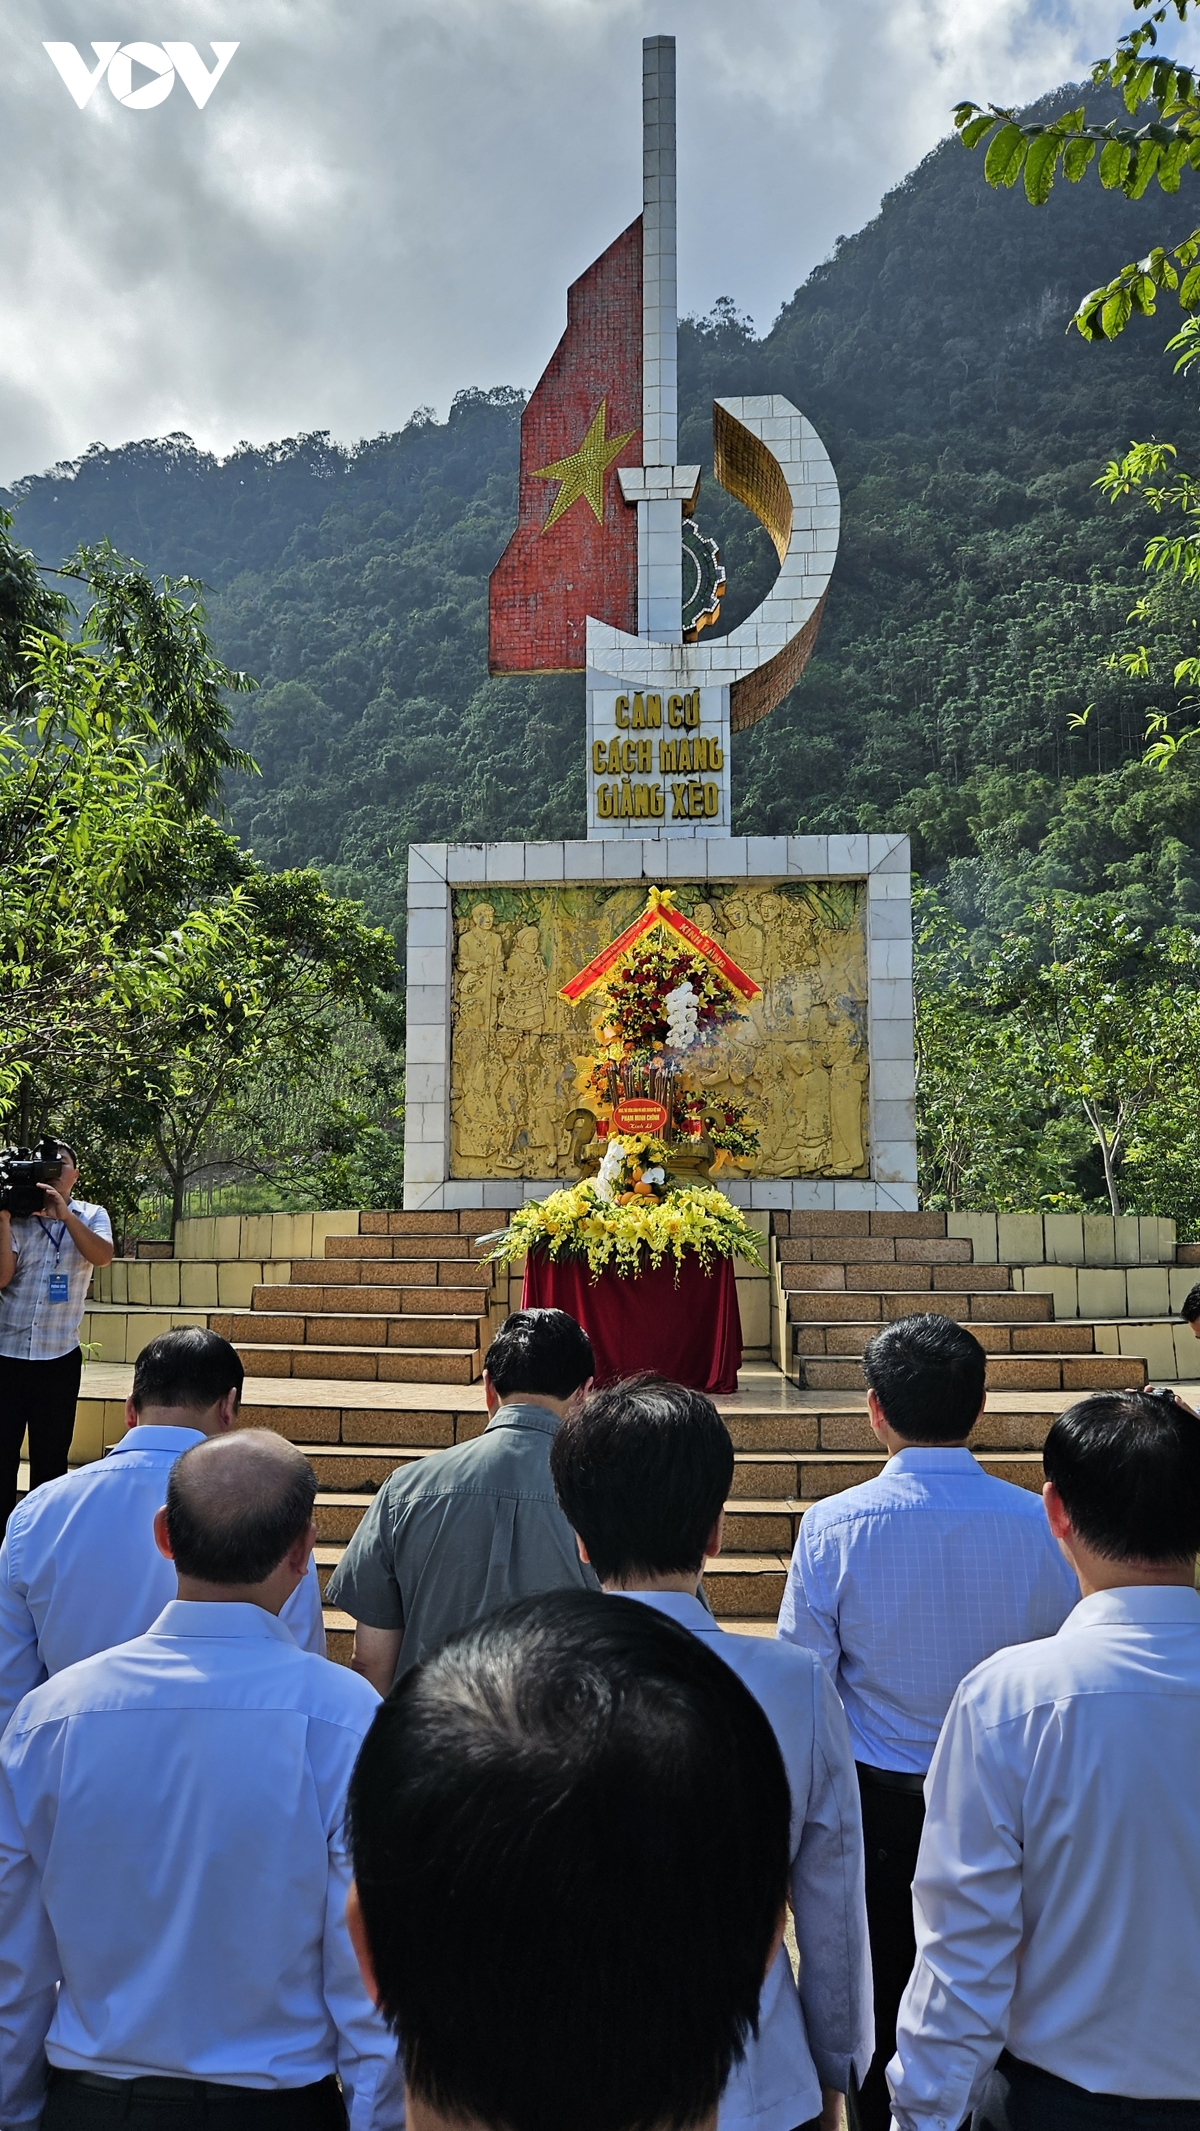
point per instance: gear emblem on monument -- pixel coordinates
(703, 581)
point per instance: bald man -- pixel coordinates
(173, 1872)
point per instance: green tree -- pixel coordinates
(1059, 1063)
(269, 968)
(1165, 150)
(146, 962)
(1113, 1020)
(989, 1132)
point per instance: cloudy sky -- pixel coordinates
(383, 200)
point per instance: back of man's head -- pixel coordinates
(543, 1351)
(1189, 1308)
(572, 1822)
(642, 1472)
(928, 1374)
(236, 1505)
(189, 1367)
(1127, 1468)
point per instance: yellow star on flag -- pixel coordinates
(582, 474)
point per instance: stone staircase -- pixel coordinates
(369, 1358)
(407, 1300)
(842, 1276)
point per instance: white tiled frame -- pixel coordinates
(884, 862)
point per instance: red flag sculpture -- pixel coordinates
(575, 549)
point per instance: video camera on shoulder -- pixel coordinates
(23, 1171)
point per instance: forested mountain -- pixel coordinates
(981, 589)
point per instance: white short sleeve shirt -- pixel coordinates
(42, 1307)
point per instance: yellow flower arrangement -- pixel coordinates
(629, 1234)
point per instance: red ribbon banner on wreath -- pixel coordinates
(659, 912)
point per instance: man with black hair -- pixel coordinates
(1189, 1309)
(642, 1472)
(450, 1538)
(46, 1264)
(1057, 1892)
(173, 1868)
(570, 1841)
(900, 1587)
(79, 1570)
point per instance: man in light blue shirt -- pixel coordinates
(1057, 1895)
(173, 1868)
(900, 1587)
(79, 1570)
(642, 1471)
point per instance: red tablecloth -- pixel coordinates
(691, 1332)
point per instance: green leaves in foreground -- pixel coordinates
(1127, 159)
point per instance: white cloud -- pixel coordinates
(382, 204)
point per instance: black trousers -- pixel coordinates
(892, 1823)
(1021, 2097)
(39, 1396)
(74, 2105)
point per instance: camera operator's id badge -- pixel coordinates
(57, 1289)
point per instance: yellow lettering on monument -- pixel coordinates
(716, 755)
(666, 758)
(654, 710)
(691, 708)
(599, 757)
(639, 715)
(712, 800)
(626, 807)
(621, 710)
(641, 800)
(679, 810)
(644, 757)
(656, 799)
(674, 710)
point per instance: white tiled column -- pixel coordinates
(659, 407)
(660, 570)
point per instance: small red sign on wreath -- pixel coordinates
(636, 1113)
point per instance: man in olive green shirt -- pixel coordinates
(455, 1536)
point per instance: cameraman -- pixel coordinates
(46, 1262)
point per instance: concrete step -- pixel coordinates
(339, 1635)
(366, 1249)
(825, 1304)
(817, 1340)
(472, 1221)
(424, 1271)
(379, 1301)
(908, 1225)
(1030, 1372)
(874, 1250)
(401, 1418)
(754, 1524)
(364, 1365)
(913, 1278)
(284, 1329)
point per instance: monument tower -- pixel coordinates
(608, 574)
(593, 577)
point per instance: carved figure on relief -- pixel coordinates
(845, 1090)
(523, 1000)
(476, 1118)
(480, 962)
